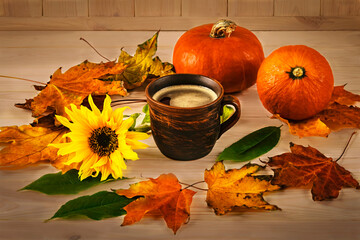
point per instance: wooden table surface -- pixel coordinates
(36, 55)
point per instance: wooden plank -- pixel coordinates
(157, 8)
(300, 218)
(177, 23)
(241, 8)
(204, 8)
(20, 8)
(340, 8)
(65, 8)
(297, 7)
(111, 8)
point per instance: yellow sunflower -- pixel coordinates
(100, 141)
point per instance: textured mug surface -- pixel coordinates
(189, 133)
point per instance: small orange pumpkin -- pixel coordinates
(295, 82)
(223, 51)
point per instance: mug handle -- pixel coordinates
(230, 100)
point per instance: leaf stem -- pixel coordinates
(134, 100)
(25, 79)
(347, 144)
(95, 49)
(193, 185)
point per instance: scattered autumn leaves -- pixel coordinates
(112, 78)
(339, 114)
(228, 190)
(26, 145)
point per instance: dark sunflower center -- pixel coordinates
(103, 141)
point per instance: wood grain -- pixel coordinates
(204, 8)
(340, 7)
(241, 8)
(297, 7)
(111, 8)
(67, 8)
(177, 23)
(20, 8)
(157, 8)
(22, 213)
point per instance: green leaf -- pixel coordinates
(68, 183)
(147, 114)
(253, 145)
(135, 117)
(142, 64)
(227, 112)
(98, 206)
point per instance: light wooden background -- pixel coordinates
(37, 54)
(178, 14)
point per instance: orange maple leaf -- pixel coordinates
(338, 115)
(163, 194)
(306, 166)
(74, 86)
(237, 188)
(26, 145)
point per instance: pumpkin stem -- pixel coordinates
(297, 73)
(221, 28)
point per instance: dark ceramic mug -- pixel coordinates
(189, 133)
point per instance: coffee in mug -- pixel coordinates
(185, 96)
(185, 112)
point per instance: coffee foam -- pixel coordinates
(186, 96)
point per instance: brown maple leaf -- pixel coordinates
(343, 97)
(162, 194)
(338, 115)
(26, 145)
(73, 86)
(237, 188)
(307, 167)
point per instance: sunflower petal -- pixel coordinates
(107, 110)
(118, 115)
(63, 120)
(137, 135)
(118, 160)
(94, 108)
(125, 125)
(134, 144)
(102, 161)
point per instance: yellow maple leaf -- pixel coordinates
(142, 65)
(237, 188)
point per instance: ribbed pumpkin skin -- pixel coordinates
(233, 61)
(295, 99)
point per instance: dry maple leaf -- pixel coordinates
(237, 188)
(74, 86)
(26, 145)
(142, 64)
(306, 166)
(338, 115)
(163, 194)
(343, 97)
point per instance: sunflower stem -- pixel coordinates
(24, 79)
(193, 185)
(94, 49)
(134, 100)
(347, 144)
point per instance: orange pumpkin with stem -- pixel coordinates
(295, 82)
(223, 51)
